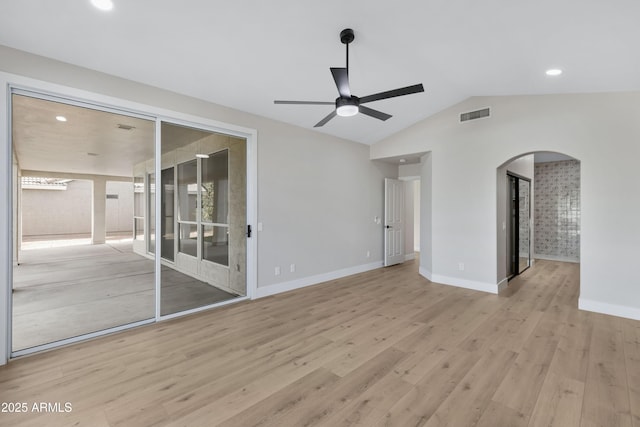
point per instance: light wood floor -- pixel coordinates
(383, 348)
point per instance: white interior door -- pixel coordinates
(393, 222)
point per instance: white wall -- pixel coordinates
(409, 218)
(416, 215)
(317, 194)
(600, 130)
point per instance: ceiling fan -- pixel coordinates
(346, 104)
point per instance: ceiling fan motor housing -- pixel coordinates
(346, 107)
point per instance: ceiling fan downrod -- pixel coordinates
(346, 37)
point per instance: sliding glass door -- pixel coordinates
(83, 208)
(118, 227)
(207, 263)
(519, 232)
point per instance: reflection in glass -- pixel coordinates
(152, 212)
(167, 215)
(138, 208)
(215, 244)
(188, 242)
(138, 232)
(210, 233)
(187, 190)
(215, 188)
(524, 232)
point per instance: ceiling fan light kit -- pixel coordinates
(347, 105)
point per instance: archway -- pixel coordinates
(550, 212)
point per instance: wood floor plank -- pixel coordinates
(559, 403)
(530, 368)
(631, 331)
(499, 415)
(474, 392)
(606, 395)
(301, 395)
(420, 403)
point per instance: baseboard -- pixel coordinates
(557, 258)
(303, 282)
(409, 257)
(425, 273)
(610, 309)
(461, 283)
(502, 285)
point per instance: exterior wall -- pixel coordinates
(60, 212)
(558, 210)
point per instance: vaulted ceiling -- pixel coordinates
(245, 54)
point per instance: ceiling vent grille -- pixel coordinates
(473, 115)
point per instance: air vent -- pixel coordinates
(112, 196)
(473, 115)
(125, 127)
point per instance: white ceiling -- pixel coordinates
(245, 54)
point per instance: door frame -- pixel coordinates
(513, 241)
(397, 221)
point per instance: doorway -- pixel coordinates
(394, 192)
(519, 229)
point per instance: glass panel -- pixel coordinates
(188, 242)
(215, 244)
(200, 275)
(167, 215)
(215, 188)
(138, 196)
(152, 213)
(188, 190)
(139, 228)
(524, 246)
(65, 286)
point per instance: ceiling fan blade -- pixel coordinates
(341, 77)
(304, 102)
(393, 93)
(374, 113)
(326, 119)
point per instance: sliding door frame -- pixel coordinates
(49, 91)
(513, 247)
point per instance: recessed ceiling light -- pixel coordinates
(202, 156)
(61, 118)
(403, 160)
(102, 4)
(553, 72)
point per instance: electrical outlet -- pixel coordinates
(461, 266)
(292, 268)
(277, 272)
(368, 254)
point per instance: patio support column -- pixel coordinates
(98, 211)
